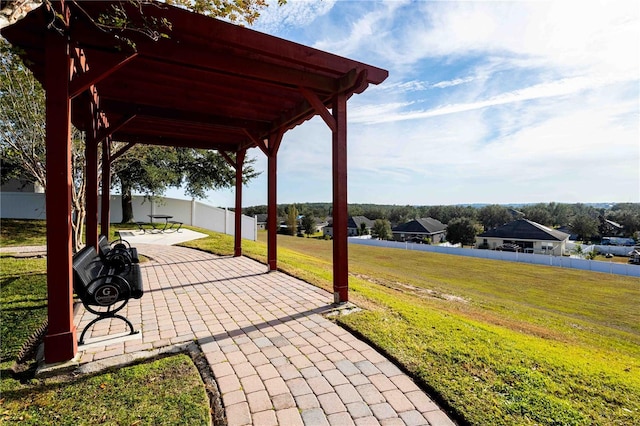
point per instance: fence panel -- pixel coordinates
(538, 259)
(209, 217)
(22, 205)
(26, 205)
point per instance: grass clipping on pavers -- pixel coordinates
(165, 391)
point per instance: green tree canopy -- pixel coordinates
(462, 230)
(493, 216)
(584, 226)
(627, 215)
(309, 224)
(381, 229)
(292, 220)
(538, 213)
(22, 134)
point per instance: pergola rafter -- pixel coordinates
(210, 85)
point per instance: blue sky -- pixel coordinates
(486, 102)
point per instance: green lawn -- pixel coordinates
(14, 232)
(499, 343)
(165, 391)
(23, 302)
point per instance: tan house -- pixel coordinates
(524, 236)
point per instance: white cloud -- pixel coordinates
(294, 13)
(597, 33)
(367, 33)
(451, 83)
(418, 85)
(561, 87)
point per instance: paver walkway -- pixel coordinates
(275, 358)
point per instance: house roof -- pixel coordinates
(524, 229)
(357, 221)
(613, 224)
(210, 84)
(354, 222)
(421, 226)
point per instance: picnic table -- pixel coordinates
(168, 224)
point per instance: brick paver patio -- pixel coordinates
(275, 357)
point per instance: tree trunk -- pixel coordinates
(127, 204)
(78, 229)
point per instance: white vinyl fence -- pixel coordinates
(538, 259)
(22, 205)
(602, 249)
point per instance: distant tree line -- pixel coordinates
(584, 220)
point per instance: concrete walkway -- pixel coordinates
(275, 357)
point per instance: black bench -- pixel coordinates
(117, 253)
(105, 289)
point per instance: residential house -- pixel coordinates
(567, 230)
(526, 236)
(419, 230)
(354, 226)
(609, 228)
(321, 224)
(261, 221)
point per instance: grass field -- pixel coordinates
(164, 391)
(499, 343)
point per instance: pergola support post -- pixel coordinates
(239, 164)
(272, 201)
(340, 208)
(60, 342)
(106, 186)
(91, 190)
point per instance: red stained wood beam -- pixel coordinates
(218, 59)
(120, 152)
(109, 130)
(256, 141)
(216, 142)
(340, 209)
(252, 42)
(239, 163)
(272, 201)
(106, 186)
(189, 98)
(187, 116)
(319, 107)
(203, 80)
(91, 158)
(99, 70)
(60, 342)
(228, 159)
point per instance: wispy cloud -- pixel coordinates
(561, 87)
(294, 14)
(454, 82)
(417, 85)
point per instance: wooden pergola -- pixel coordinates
(209, 85)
